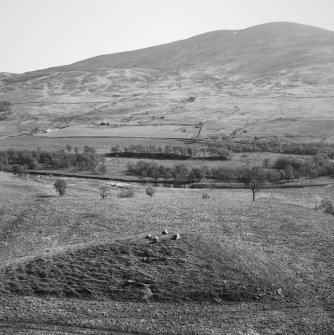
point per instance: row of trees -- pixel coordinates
(211, 151)
(284, 168)
(155, 171)
(222, 149)
(87, 160)
(254, 178)
(275, 146)
(311, 167)
(181, 172)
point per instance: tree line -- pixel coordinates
(171, 152)
(274, 146)
(218, 148)
(284, 168)
(178, 172)
(18, 161)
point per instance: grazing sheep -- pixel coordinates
(155, 239)
(176, 236)
(164, 232)
(148, 236)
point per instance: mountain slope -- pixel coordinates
(234, 76)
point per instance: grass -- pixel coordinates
(239, 267)
(137, 270)
(102, 145)
(158, 131)
(18, 189)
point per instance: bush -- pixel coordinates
(205, 196)
(150, 191)
(326, 205)
(103, 169)
(17, 169)
(61, 186)
(127, 193)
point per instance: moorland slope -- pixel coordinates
(265, 78)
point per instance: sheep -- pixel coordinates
(148, 236)
(155, 239)
(164, 232)
(176, 236)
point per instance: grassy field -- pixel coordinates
(79, 264)
(102, 144)
(158, 131)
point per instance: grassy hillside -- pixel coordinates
(270, 262)
(270, 80)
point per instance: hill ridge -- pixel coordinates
(270, 27)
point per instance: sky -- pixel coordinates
(37, 34)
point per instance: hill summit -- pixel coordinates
(264, 48)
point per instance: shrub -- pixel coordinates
(103, 169)
(127, 193)
(150, 191)
(61, 186)
(266, 163)
(205, 196)
(17, 169)
(326, 204)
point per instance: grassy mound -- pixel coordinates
(194, 268)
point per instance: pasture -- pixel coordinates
(102, 144)
(138, 131)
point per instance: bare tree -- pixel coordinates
(104, 191)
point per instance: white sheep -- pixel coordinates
(155, 239)
(176, 236)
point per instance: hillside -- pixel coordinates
(243, 78)
(79, 261)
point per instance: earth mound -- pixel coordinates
(193, 268)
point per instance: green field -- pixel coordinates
(138, 131)
(102, 144)
(82, 264)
